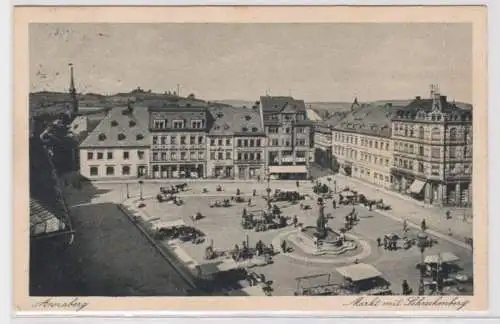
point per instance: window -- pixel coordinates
(163, 156)
(287, 130)
(239, 143)
(200, 140)
(228, 155)
(453, 153)
(110, 170)
(435, 133)
(125, 170)
(274, 142)
(139, 137)
(132, 123)
(421, 132)
(173, 140)
(173, 156)
(183, 155)
(371, 144)
(257, 143)
(228, 141)
(114, 123)
(155, 156)
(212, 142)
(436, 152)
(421, 150)
(183, 140)
(155, 140)
(125, 155)
(376, 144)
(159, 124)
(196, 124)
(177, 124)
(453, 134)
(435, 169)
(252, 143)
(220, 156)
(140, 155)
(420, 167)
(121, 137)
(301, 154)
(200, 155)
(102, 137)
(192, 155)
(110, 155)
(192, 140)
(258, 157)
(163, 140)
(94, 170)
(273, 130)
(300, 142)
(239, 156)
(387, 146)
(245, 143)
(220, 142)
(90, 155)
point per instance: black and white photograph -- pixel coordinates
(251, 159)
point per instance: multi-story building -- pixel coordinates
(289, 137)
(118, 146)
(323, 154)
(362, 144)
(178, 141)
(433, 150)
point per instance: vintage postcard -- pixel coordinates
(313, 159)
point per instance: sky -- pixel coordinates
(314, 62)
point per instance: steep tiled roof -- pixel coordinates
(120, 128)
(368, 119)
(277, 104)
(230, 120)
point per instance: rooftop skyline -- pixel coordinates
(314, 62)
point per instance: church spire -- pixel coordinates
(72, 89)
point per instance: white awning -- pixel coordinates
(446, 257)
(417, 186)
(288, 169)
(360, 271)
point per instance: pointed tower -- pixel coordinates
(72, 90)
(355, 104)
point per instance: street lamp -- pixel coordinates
(140, 189)
(422, 244)
(128, 194)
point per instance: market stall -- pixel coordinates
(362, 278)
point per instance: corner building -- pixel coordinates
(433, 151)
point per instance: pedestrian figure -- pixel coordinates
(254, 192)
(406, 288)
(385, 243)
(297, 183)
(283, 246)
(379, 241)
(423, 225)
(334, 203)
(295, 220)
(405, 226)
(271, 247)
(249, 202)
(421, 288)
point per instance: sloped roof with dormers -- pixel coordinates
(121, 127)
(232, 120)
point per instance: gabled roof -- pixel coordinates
(231, 120)
(120, 128)
(275, 104)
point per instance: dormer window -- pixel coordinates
(121, 137)
(244, 129)
(114, 123)
(197, 124)
(178, 124)
(139, 137)
(254, 129)
(159, 123)
(102, 137)
(132, 123)
(248, 117)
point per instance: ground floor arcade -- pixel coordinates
(174, 171)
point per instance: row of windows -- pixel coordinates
(453, 151)
(376, 175)
(363, 141)
(362, 156)
(110, 155)
(285, 130)
(286, 154)
(286, 142)
(193, 140)
(285, 117)
(178, 124)
(110, 170)
(249, 143)
(219, 156)
(246, 156)
(221, 141)
(174, 156)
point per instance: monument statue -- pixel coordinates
(321, 223)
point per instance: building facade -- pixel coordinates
(323, 145)
(362, 144)
(289, 137)
(433, 151)
(118, 147)
(178, 142)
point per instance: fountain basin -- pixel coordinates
(305, 240)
